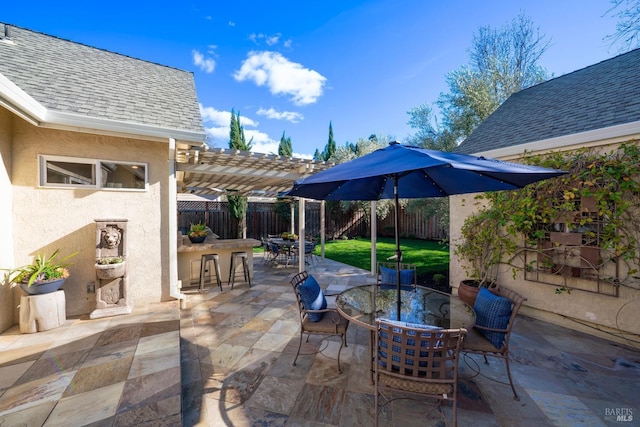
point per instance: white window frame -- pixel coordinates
(97, 173)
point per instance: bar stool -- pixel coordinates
(245, 267)
(207, 258)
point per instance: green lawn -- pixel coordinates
(430, 257)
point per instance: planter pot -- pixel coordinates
(43, 287)
(468, 291)
(110, 271)
(197, 239)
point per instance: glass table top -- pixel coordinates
(418, 305)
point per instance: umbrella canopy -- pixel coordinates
(401, 171)
(420, 173)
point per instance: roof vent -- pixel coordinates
(5, 35)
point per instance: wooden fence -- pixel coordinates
(262, 220)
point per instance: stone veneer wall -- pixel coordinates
(45, 219)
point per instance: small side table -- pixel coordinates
(42, 312)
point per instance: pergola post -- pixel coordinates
(301, 232)
(374, 235)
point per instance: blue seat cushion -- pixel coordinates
(492, 311)
(312, 298)
(388, 276)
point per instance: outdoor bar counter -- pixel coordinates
(189, 258)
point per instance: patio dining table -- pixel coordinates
(420, 305)
(364, 304)
(285, 246)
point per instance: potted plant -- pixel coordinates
(110, 267)
(44, 275)
(198, 232)
(481, 248)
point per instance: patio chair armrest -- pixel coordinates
(485, 328)
(324, 310)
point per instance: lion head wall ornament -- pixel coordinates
(111, 237)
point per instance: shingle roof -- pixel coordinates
(595, 97)
(69, 77)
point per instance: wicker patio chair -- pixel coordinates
(330, 322)
(477, 342)
(416, 360)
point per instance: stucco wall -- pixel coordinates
(45, 219)
(6, 241)
(601, 315)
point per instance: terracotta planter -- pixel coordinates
(468, 291)
(110, 271)
(43, 287)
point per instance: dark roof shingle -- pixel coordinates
(70, 77)
(595, 97)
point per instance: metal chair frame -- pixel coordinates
(417, 362)
(332, 323)
(476, 343)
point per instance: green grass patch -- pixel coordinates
(429, 256)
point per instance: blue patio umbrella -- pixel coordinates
(407, 172)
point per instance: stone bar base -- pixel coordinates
(42, 312)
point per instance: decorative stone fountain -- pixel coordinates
(111, 289)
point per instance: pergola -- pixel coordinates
(217, 171)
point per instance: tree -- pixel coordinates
(628, 26)
(428, 135)
(237, 141)
(330, 148)
(285, 148)
(502, 62)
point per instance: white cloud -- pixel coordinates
(223, 118)
(218, 131)
(266, 147)
(206, 64)
(302, 156)
(271, 113)
(218, 118)
(282, 76)
(269, 40)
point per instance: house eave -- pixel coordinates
(26, 107)
(617, 133)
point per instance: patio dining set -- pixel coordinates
(414, 351)
(285, 252)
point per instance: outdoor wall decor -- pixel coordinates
(112, 278)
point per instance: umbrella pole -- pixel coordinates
(398, 251)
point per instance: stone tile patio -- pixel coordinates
(227, 360)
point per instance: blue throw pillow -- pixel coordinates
(312, 298)
(492, 311)
(388, 276)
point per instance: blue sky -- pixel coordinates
(294, 67)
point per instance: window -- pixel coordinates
(89, 173)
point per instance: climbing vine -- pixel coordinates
(585, 224)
